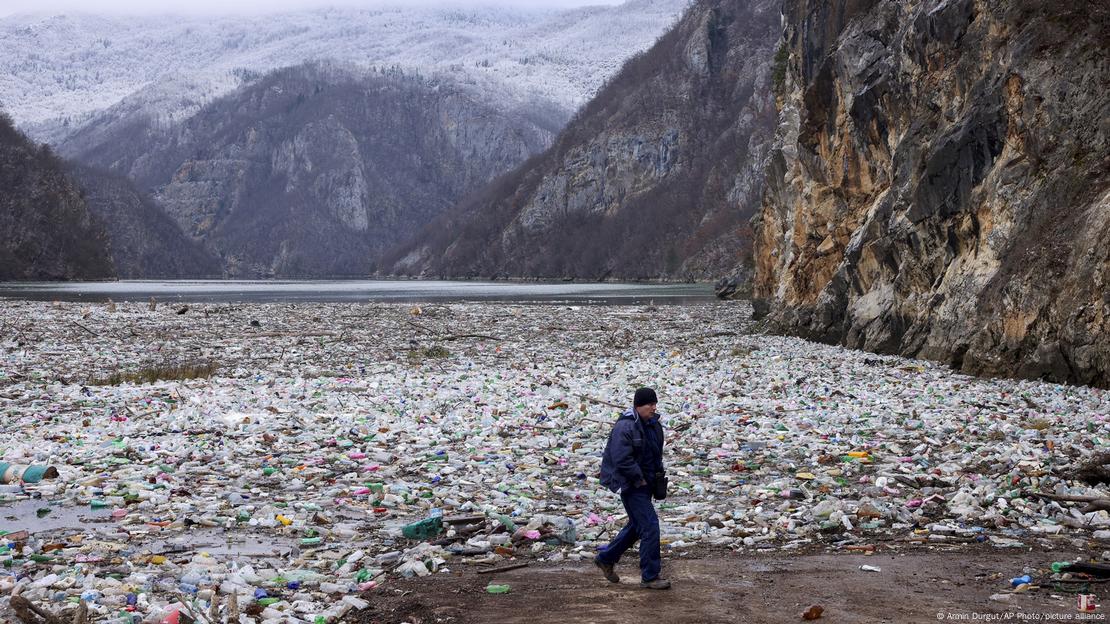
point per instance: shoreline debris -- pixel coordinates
(282, 484)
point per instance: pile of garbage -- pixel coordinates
(324, 449)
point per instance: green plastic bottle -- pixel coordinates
(424, 529)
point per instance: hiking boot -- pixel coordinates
(607, 570)
(656, 584)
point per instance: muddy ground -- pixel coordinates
(727, 587)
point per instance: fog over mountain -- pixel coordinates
(219, 7)
(312, 170)
(60, 69)
(296, 139)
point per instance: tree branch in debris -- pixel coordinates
(1094, 503)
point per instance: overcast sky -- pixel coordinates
(193, 7)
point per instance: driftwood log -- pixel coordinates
(1096, 471)
(1093, 503)
(504, 568)
(30, 613)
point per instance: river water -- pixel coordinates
(230, 291)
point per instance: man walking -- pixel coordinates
(631, 464)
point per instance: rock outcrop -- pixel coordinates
(940, 185)
(314, 170)
(145, 243)
(46, 231)
(654, 178)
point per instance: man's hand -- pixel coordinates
(641, 483)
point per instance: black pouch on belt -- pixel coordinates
(660, 486)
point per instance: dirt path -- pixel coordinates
(924, 586)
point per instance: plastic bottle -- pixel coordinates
(192, 578)
(90, 595)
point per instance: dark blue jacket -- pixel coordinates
(627, 460)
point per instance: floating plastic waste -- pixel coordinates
(12, 473)
(339, 446)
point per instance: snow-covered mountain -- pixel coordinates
(313, 170)
(62, 69)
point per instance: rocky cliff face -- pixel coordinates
(656, 177)
(46, 231)
(145, 243)
(313, 170)
(940, 185)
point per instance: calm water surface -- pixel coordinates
(224, 291)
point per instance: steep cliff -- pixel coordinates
(656, 177)
(46, 231)
(940, 185)
(313, 170)
(145, 242)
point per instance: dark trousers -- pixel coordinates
(643, 525)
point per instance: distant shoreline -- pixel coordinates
(350, 290)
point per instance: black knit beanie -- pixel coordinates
(644, 396)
